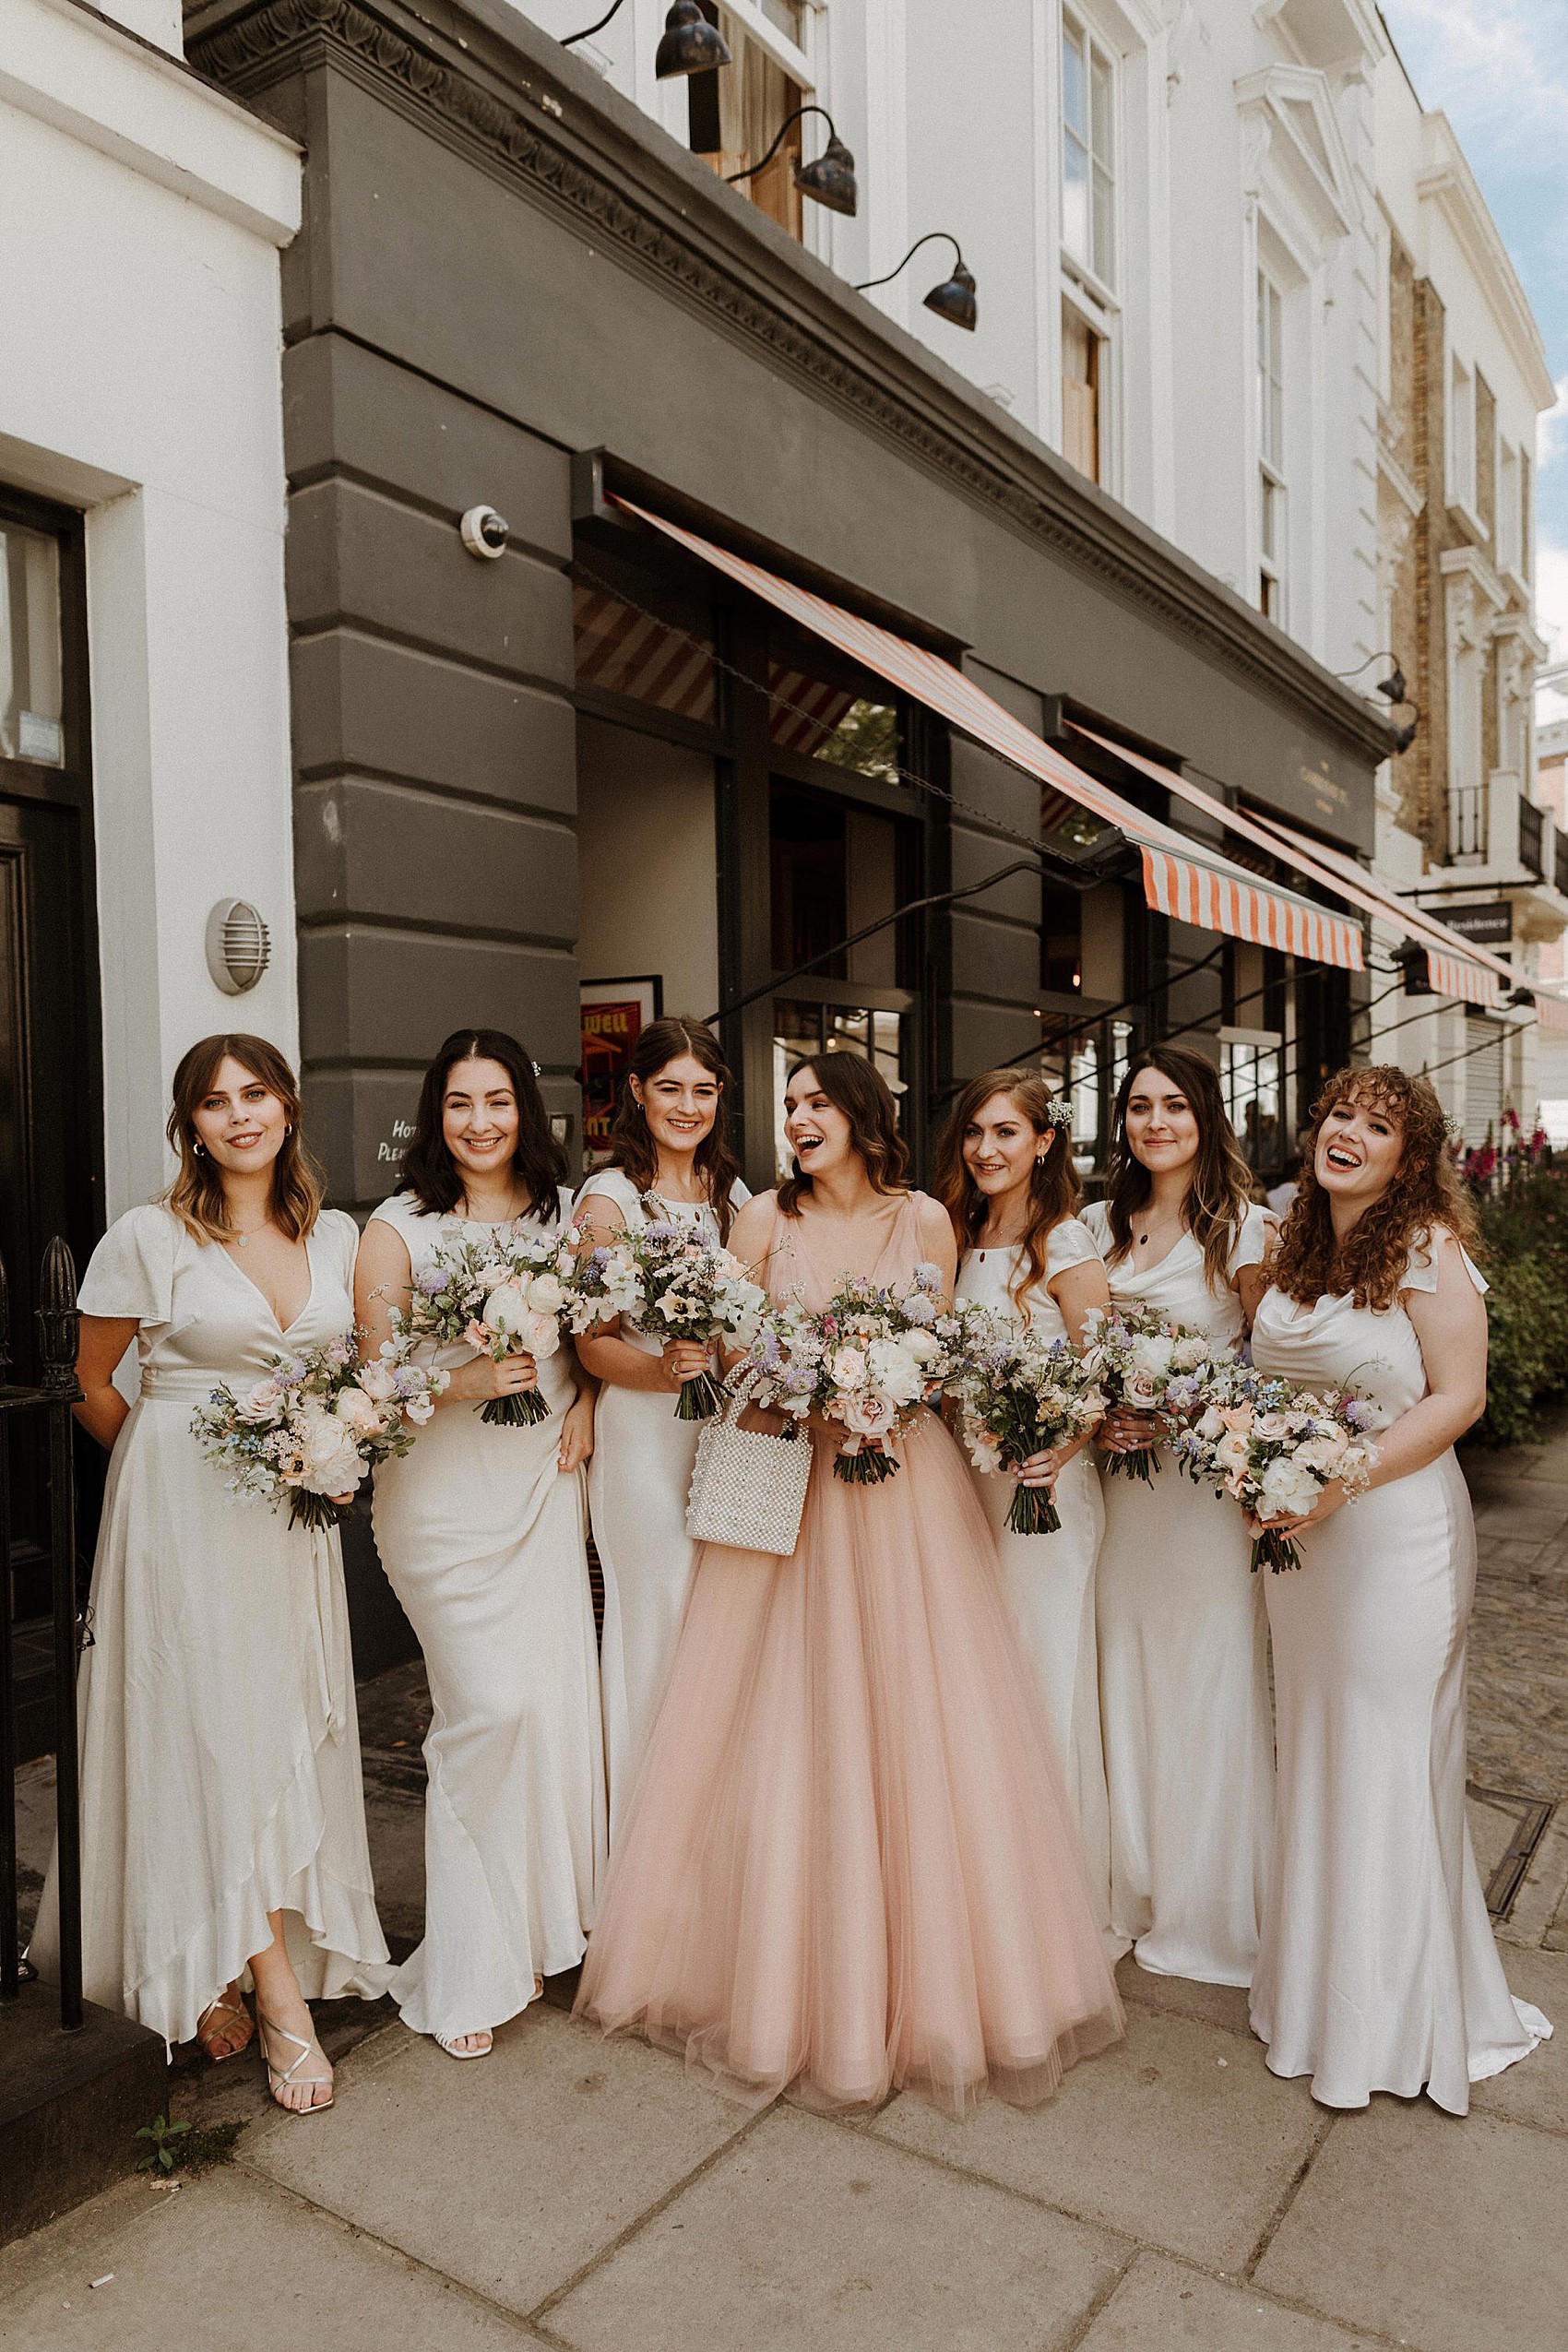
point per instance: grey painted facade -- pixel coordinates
(502, 267)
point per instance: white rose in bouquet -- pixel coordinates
(868, 1416)
(847, 1367)
(506, 1306)
(547, 1294)
(537, 1333)
(357, 1408)
(1209, 1425)
(895, 1369)
(261, 1403)
(925, 1345)
(1286, 1490)
(1189, 1354)
(377, 1382)
(1152, 1352)
(332, 1463)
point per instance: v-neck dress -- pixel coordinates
(1183, 1671)
(1378, 1971)
(850, 1863)
(639, 1477)
(482, 1536)
(1050, 1579)
(218, 1741)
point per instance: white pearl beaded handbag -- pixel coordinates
(748, 1487)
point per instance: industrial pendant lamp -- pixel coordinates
(955, 299)
(689, 45)
(829, 181)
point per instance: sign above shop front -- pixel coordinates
(1492, 925)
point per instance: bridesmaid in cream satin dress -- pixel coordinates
(1183, 1677)
(669, 1142)
(850, 1864)
(482, 1531)
(1378, 1971)
(1005, 1176)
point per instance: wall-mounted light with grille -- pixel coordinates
(238, 948)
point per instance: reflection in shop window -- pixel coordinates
(626, 651)
(820, 720)
(31, 710)
(801, 1031)
(1250, 1073)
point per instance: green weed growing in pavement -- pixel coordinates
(181, 2147)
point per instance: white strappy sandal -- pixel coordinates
(448, 2042)
(288, 2078)
(215, 2019)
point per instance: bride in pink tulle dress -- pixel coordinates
(848, 1866)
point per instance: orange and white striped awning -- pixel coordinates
(1181, 878)
(1456, 966)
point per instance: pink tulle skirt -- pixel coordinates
(850, 1865)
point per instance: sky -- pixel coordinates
(1498, 71)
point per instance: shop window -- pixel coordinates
(623, 650)
(1060, 940)
(1250, 1066)
(808, 839)
(802, 1030)
(1271, 449)
(31, 709)
(737, 111)
(821, 717)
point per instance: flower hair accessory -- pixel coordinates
(1059, 1111)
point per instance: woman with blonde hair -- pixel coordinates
(1183, 1674)
(1378, 1971)
(1005, 1174)
(223, 1831)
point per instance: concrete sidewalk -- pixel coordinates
(1174, 2198)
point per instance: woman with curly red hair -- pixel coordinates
(1377, 1970)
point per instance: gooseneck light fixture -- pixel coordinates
(690, 44)
(829, 181)
(955, 299)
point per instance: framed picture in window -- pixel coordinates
(614, 1013)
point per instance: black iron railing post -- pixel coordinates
(10, 1957)
(58, 1324)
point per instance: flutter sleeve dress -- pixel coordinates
(1378, 1971)
(639, 1477)
(1050, 1579)
(1183, 1670)
(218, 1740)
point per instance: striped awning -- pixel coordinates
(1456, 966)
(1181, 878)
(1553, 1013)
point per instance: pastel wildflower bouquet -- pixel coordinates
(313, 1426)
(1274, 1447)
(507, 1295)
(874, 1352)
(1019, 1394)
(672, 1283)
(1146, 1363)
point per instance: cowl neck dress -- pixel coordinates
(850, 1864)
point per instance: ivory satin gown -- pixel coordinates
(1378, 1971)
(850, 1864)
(1184, 1673)
(638, 1480)
(483, 1539)
(1050, 1579)
(218, 1741)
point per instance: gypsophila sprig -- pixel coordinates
(314, 1425)
(671, 1283)
(1274, 1447)
(1019, 1394)
(1146, 1363)
(507, 1295)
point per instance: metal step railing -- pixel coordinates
(56, 1392)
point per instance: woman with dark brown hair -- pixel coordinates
(223, 1819)
(1007, 1179)
(849, 1863)
(1189, 1752)
(1378, 1971)
(671, 1157)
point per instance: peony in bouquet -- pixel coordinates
(1019, 1394)
(1274, 1447)
(865, 1361)
(672, 1284)
(1146, 1364)
(313, 1427)
(505, 1296)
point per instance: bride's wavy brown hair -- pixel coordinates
(1426, 1193)
(196, 1196)
(1219, 1190)
(1053, 1180)
(855, 1086)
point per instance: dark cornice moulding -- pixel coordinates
(486, 80)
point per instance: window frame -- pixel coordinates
(1274, 488)
(1461, 456)
(1093, 281)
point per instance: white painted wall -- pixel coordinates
(141, 382)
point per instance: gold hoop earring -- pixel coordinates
(287, 1130)
(198, 1149)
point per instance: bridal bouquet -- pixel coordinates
(672, 1285)
(1019, 1394)
(505, 1296)
(1274, 1447)
(865, 1361)
(313, 1427)
(1146, 1364)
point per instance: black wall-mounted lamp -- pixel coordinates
(689, 45)
(955, 299)
(829, 181)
